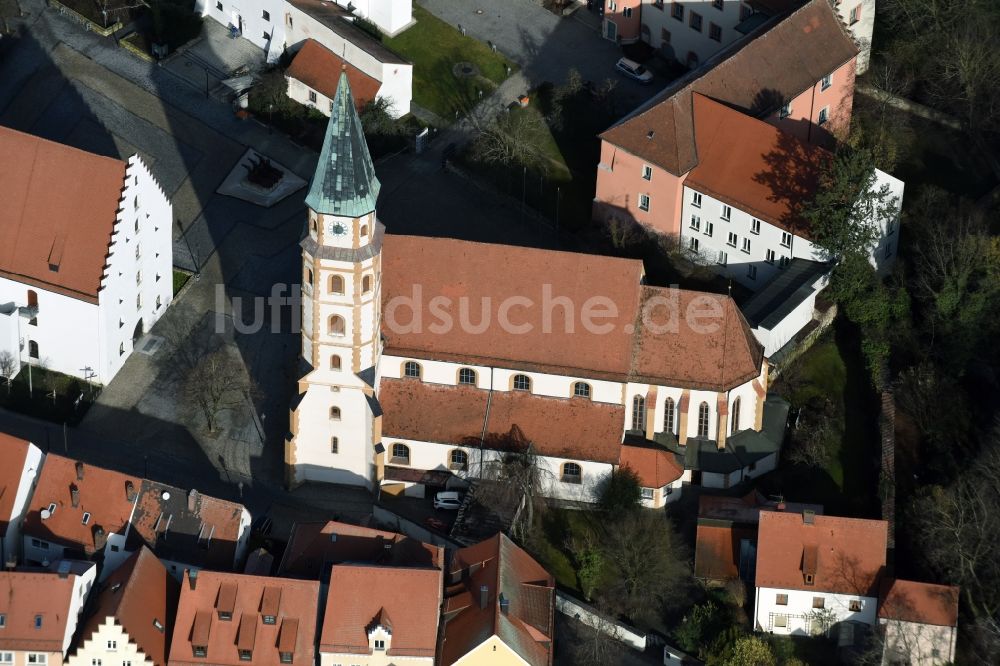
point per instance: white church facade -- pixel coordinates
(86, 256)
(432, 358)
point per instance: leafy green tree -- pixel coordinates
(701, 624)
(622, 492)
(750, 651)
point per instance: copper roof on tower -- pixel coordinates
(344, 182)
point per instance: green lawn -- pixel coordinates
(834, 368)
(180, 279)
(434, 48)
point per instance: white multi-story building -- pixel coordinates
(22, 464)
(404, 378)
(40, 612)
(86, 256)
(131, 620)
(816, 571)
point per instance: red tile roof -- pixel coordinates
(511, 578)
(655, 467)
(312, 547)
(15, 453)
(618, 348)
(102, 493)
(319, 68)
(25, 596)
(693, 339)
(139, 596)
(416, 410)
(57, 200)
(717, 550)
(924, 603)
(198, 621)
(845, 555)
(188, 526)
(405, 600)
(754, 166)
(755, 76)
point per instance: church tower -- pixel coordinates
(332, 420)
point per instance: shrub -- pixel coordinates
(622, 492)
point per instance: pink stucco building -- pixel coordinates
(798, 76)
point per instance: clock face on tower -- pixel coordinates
(336, 228)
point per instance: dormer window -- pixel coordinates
(285, 657)
(225, 616)
(246, 655)
(810, 579)
(200, 650)
(270, 619)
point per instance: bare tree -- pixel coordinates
(597, 641)
(8, 366)
(957, 527)
(511, 140)
(217, 383)
(521, 479)
(815, 439)
(649, 564)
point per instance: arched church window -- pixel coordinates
(366, 284)
(735, 417)
(335, 362)
(336, 325)
(639, 413)
(336, 284)
(703, 420)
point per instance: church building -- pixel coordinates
(429, 359)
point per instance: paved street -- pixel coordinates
(64, 83)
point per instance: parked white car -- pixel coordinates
(448, 499)
(634, 70)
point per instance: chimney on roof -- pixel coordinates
(193, 578)
(79, 471)
(74, 495)
(192, 500)
(130, 491)
(484, 596)
(808, 516)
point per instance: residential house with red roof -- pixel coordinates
(86, 256)
(40, 611)
(227, 619)
(88, 512)
(724, 158)
(918, 622)
(726, 537)
(381, 615)
(132, 619)
(815, 571)
(429, 360)
(312, 78)
(499, 607)
(314, 547)
(18, 475)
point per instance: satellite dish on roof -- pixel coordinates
(46, 514)
(165, 495)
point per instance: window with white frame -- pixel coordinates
(723, 258)
(38, 658)
(732, 240)
(855, 15)
(695, 222)
(112, 645)
(709, 228)
(379, 644)
(581, 390)
(781, 620)
(571, 473)
(467, 376)
(400, 454)
(696, 199)
(826, 82)
(746, 246)
(411, 369)
(639, 413)
(647, 172)
(854, 606)
(786, 239)
(752, 272)
(668, 415)
(6, 657)
(785, 111)
(3, 620)
(522, 383)
(693, 245)
(769, 257)
(458, 459)
(755, 226)
(727, 212)
(824, 115)
(647, 493)
(643, 202)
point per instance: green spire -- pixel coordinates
(344, 182)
